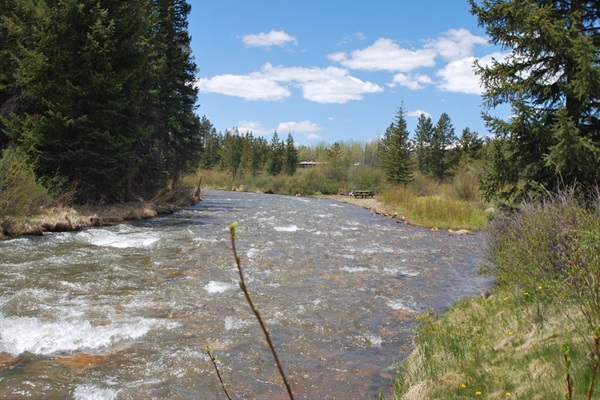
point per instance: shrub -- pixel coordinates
(21, 193)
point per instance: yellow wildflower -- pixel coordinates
(477, 393)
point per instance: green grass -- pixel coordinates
(546, 260)
(435, 211)
(506, 346)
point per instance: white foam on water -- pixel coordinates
(38, 336)
(218, 287)
(336, 205)
(291, 228)
(400, 270)
(252, 252)
(90, 392)
(232, 323)
(354, 269)
(401, 305)
(120, 240)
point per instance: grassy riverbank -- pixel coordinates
(538, 335)
(425, 202)
(65, 218)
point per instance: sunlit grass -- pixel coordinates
(435, 211)
(507, 346)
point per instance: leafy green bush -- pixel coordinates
(21, 193)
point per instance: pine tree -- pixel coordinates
(290, 156)
(79, 78)
(551, 79)
(276, 152)
(422, 143)
(395, 151)
(441, 141)
(177, 127)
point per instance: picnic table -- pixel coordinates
(362, 193)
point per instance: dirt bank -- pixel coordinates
(67, 219)
(372, 204)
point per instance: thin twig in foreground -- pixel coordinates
(214, 362)
(255, 310)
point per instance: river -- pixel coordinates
(126, 312)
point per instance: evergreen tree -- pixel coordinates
(441, 141)
(422, 143)
(79, 75)
(231, 153)
(177, 128)
(290, 157)
(469, 144)
(551, 79)
(395, 151)
(276, 152)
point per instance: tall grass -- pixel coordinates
(443, 205)
(538, 336)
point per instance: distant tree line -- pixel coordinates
(100, 93)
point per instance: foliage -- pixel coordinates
(551, 80)
(21, 193)
(101, 93)
(554, 244)
(437, 209)
(422, 143)
(442, 138)
(395, 151)
(509, 345)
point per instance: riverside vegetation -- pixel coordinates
(127, 130)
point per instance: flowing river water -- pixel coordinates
(126, 312)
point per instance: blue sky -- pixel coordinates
(332, 70)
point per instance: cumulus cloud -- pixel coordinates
(321, 85)
(255, 127)
(301, 127)
(273, 38)
(459, 75)
(386, 55)
(248, 87)
(412, 81)
(455, 44)
(417, 114)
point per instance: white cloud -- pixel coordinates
(321, 85)
(249, 87)
(412, 81)
(273, 38)
(385, 55)
(459, 75)
(255, 127)
(455, 44)
(298, 127)
(417, 114)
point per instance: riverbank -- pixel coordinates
(75, 218)
(386, 210)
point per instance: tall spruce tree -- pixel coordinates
(442, 139)
(290, 156)
(422, 143)
(79, 74)
(177, 127)
(275, 158)
(395, 150)
(551, 79)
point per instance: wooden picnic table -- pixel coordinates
(362, 193)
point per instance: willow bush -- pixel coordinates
(21, 193)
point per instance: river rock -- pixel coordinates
(7, 361)
(460, 232)
(82, 361)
